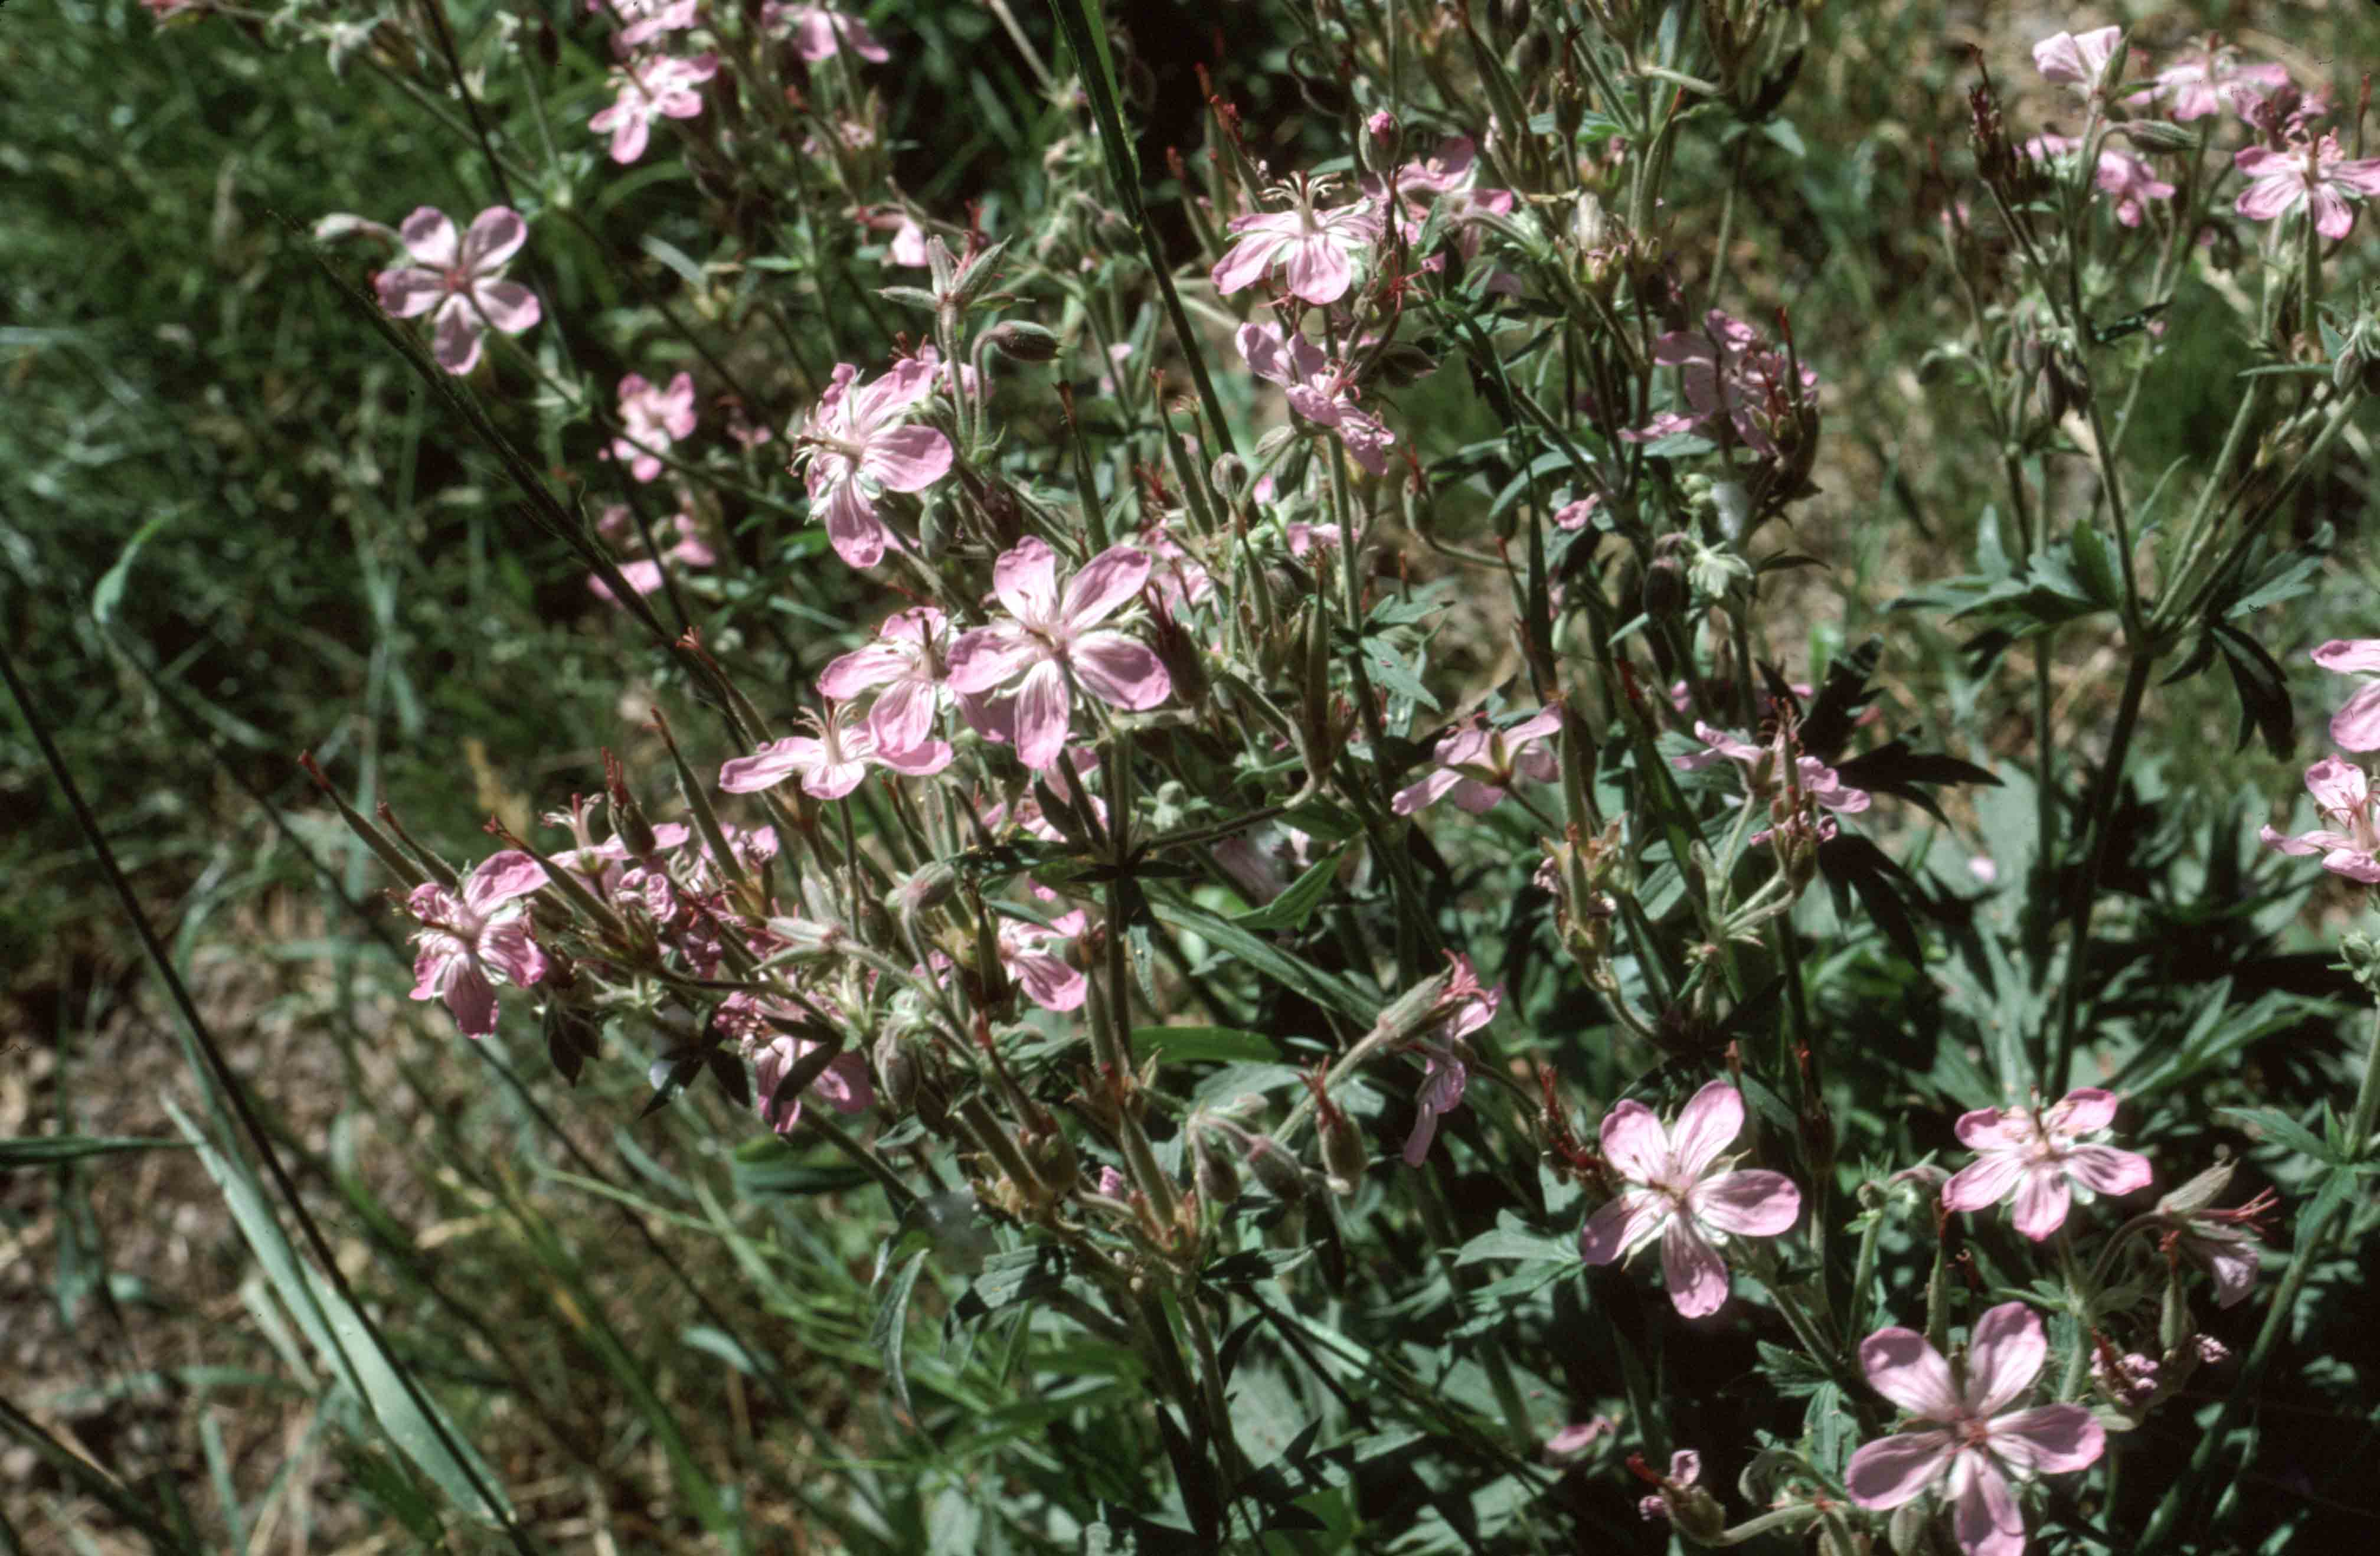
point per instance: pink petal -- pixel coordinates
(2305, 844)
(904, 715)
(1697, 1276)
(1417, 796)
(921, 758)
(907, 458)
(501, 878)
(1471, 794)
(1319, 270)
(1050, 982)
(508, 948)
(1750, 1203)
(1026, 580)
(1635, 1142)
(2053, 1439)
(473, 1000)
(2005, 1353)
(852, 528)
(1044, 707)
(2331, 216)
(429, 236)
(854, 672)
(630, 133)
(2354, 864)
(1261, 347)
(408, 292)
(833, 780)
(2270, 197)
(768, 766)
(1988, 1521)
(844, 1086)
(1105, 582)
(2356, 726)
(496, 235)
(1984, 1130)
(454, 342)
(2084, 1111)
(509, 306)
(1121, 673)
(1713, 1118)
(986, 657)
(1424, 1130)
(1893, 1470)
(1245, 265)
(2356, 656)
(1623, 1225)
(1984, 1182)
(2105, 1170)
(2042, 1199)
(1902, 1367)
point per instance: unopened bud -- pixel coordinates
(807, 937)
(1666, 588)
(1344, 1155)
(2199, 1191)
(897, 1070)
(1276, 1170)
(1021, 341)
(1218, 1180)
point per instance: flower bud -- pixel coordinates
(1665, 594)
(2199, 1191)
(1021, 341)
(1344, 1155)
(1276, 1170)
(897, 1069)
(1218, 1180)
(805, 938)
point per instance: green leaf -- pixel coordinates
(346, 1346)
(1197, 1045)
(891, 1325)
(2094, 562)
(1511, 1241)
(1291, 972)
(47, 1150)
(109, 592)
(1293, 907)
(2280, 1127)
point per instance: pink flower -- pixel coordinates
(1447, 178)
(641, 19)
(1049, 640)
(644, 575)
(2229, 1244)
(843, 1085)
(652, 418)
(1319, 247)
(1974, 1441)
(2123, 177)
(2078, 61)
(908, 245)
(1317, 391)
(819, 33)
(461, 937)
(830, 763)
(856, 449)
(906, 659)
(2036, 1155)
(1576, 515)
(461, 280)
(1814, 777)
(655, 87)
(1724, 370)
(1464, 1007)
(2355, 727)
(1479, 765)
(1674, 1196)
(2193, 81)
(2311, 173)
(1031, 954)
(2344, 795)
(1578, 1436)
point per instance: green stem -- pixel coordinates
(2086, 890)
